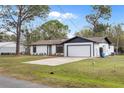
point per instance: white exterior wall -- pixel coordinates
(11, 50)
(96, 50)
(107, 49)
(10, 47)
(53, 49)
(31, 50)
(112, 49)
(65, 47)
(40, 49)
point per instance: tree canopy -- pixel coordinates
(85, 33)
(14, 16)
(116, 34)
(54, 29)
(100, 12)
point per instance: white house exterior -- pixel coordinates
(74, 47)
(10, 48)
(46, 47)
(107, 49)
(43, 50)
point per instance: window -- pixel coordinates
(59, 49)
(34, 49)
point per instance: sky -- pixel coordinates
(74, 16)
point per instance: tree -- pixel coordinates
(36, 35)
(30, 36)
(53, 29)
(85, 33)
(13, 17)
(116, 35)
(27, 41)
(13, 37)
(6, 37)
(101, 12)
(102, 28)
(1, 35)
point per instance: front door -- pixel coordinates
(101, 51)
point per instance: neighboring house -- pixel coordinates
(74, 47)
(9, 48)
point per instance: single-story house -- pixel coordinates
(7, 48)
(73, 47)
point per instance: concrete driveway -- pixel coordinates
(55, 61)
(9, 82)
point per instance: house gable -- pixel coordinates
(78, 40)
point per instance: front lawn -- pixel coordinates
(98, 72)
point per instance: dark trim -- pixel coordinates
(77, 37)
(34, 47)
(79, 45)
(93, 50)
(50, 49)
(47, 51)
(108, 41)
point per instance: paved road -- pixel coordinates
(9, 82)
(56, 61)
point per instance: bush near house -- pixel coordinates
(121, 50)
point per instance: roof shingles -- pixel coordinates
(97, 39)
(55, 42)
(48, 42)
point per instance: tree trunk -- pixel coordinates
(18, 34)
(28, 43)
(94, 29)
(117, 45)
(17, 41)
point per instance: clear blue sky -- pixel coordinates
(74, 15)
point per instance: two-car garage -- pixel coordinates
(78, 47)
(87, 47)
(79, 50)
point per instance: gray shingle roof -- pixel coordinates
(52, 42)
(97, 39)
(48, 42)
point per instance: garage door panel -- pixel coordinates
(79, 50)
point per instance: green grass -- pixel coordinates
(106, 72)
